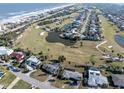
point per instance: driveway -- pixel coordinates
(34, 82)
(30, 80)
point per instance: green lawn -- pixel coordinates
(8, 78)
(22, 85)
(117, 64)
(33, 41)
(109, 31)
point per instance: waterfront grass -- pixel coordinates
(109, 31)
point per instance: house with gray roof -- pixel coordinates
(118, 80)
(95, 78)
(72, 75)
(32, 62)
(51, 68)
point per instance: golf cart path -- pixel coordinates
(97, 47)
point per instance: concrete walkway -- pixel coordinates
(97, 47)
(13, 83)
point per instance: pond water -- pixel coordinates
(119, 40)
(53, 37)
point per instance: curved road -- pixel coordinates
(34, 82)
(30, 80)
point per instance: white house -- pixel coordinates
(95, 78)
(32, 62)
(5, 51)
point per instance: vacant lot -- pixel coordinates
(8, 78)
(39, 75)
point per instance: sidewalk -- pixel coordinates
(13, 83)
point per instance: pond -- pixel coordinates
(119, 40)
(53, 37)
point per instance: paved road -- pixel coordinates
(34, 82)
(30, 80)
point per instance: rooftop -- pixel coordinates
(118, 80)
(33, 59)
(5, 50)
(94, 69)
(72, 75)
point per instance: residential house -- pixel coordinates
(118, 80)
(5, 51)
(51, 68)
(114, 59)
(95, 78)
(72, 75)
(19, 56)
(32, 62)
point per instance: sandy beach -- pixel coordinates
(20, 17)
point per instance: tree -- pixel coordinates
(25, 69)
(60, 72)
(81, 44)
(6, 58)
(41, 53)
(112, 51)
(61, 58)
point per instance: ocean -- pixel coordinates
(14, 9)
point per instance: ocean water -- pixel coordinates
(13, 9)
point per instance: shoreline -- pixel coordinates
(17, 18)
